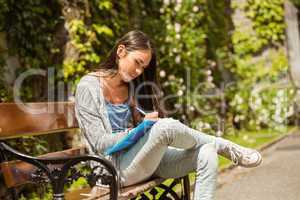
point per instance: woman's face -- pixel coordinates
(132, 64)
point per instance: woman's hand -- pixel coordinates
(128, 129)
(152, 116)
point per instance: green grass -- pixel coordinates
(252, 139)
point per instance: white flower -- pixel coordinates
(257, 103)
(166, 2)
(192, 108)
(162, 73)
(161, 10)
(290, 111)
(208, 72)
(171, 77)
(280, 93)
(181, 80)
(179, 1)
(239, 99)
(177, 105)
(179, 92)
(277, 118)
(209, 78)
(166, 83)
(177, 59)
(177, 27)
(236, 118)
(195, 8)
(200, 126)
(219, 133)
(177, 7)
(177, 36)
(168, 39)
(206, 126)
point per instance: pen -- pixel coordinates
(140, 110)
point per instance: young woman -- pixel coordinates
(106, 109)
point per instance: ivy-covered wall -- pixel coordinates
(230, 49)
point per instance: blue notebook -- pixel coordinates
(132, 137)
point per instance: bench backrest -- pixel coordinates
(17, 120)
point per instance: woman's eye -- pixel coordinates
(137, 63)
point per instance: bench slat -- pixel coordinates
(126, 192)
(35, 118)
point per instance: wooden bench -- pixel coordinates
(62, 167)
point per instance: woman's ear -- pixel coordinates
(121, 51)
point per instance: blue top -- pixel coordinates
(119, 115)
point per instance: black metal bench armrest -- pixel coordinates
(58, 174)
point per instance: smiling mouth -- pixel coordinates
(132, 76)
(129, 77)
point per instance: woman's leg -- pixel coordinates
(239, 155)
(203, 160)
(141, 160)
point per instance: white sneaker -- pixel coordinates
(242, 156)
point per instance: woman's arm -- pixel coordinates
(91, 119)
(152, 116)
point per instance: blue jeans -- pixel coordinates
(169, 150)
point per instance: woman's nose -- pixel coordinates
(138, 71)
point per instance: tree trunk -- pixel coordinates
(72, 10)
(293, 42)
(11, 64)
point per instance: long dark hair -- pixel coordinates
(137, 40)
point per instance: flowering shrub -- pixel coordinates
(263, 96)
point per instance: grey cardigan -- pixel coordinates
(92, 118)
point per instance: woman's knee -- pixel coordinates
(162, 129)
(167, 124)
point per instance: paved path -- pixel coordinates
(278, 178)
